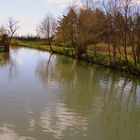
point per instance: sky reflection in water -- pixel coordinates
(45, 96)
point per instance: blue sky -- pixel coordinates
(30, 12)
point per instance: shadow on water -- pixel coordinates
(4, 59)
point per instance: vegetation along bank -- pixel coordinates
(105, 33)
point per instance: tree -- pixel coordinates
(7, 32)
(12, 27)
(74, 29)
(47, 29)
(115, 23)
(67, 28)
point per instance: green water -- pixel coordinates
(50, 97)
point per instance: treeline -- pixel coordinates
(114, 22)
(29, 38)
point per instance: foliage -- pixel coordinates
(115, 23)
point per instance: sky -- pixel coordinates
(30, 12)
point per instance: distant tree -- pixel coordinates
(47, 29)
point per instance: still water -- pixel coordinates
(50, 97)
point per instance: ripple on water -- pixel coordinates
(57, 119)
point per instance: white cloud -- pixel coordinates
(58, 1)
(64, 3)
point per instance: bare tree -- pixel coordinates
(47, 29)
(7, 32)
(111, 9)
(12, 27)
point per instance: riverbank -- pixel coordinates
(101, 59)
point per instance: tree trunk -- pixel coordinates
(114, 54)
(95, 50)
(138, 52)
(109, 52)
(6, 42)
(51, 49)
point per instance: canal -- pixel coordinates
(52, 97)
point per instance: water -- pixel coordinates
(50, 97)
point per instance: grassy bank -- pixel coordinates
(99, 58)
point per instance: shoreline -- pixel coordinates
(100, 59)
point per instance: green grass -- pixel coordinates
(38, 45)
(100, 58)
